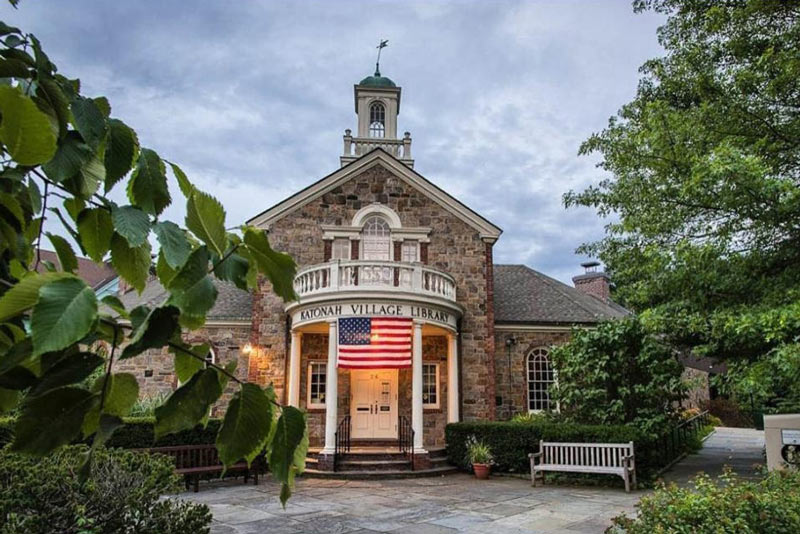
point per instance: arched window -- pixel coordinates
(540, 379)
(376, 239)
(377, 120)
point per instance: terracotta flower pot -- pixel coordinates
(481, 470)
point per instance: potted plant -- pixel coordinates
(480, 457)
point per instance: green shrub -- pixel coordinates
(6, 430)
(43, 495)
(137, 433)
(722, 506)
(146, 406)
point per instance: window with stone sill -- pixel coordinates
(316, 385)
(430, 385)
(340, 250)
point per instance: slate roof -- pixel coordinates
(523, 295)
(232, 303)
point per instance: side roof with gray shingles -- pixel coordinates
(523, 295)
(232, 303)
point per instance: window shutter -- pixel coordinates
(423, 253)
(328, 246)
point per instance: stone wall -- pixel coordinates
(454, 247)
(699, 393)
(154, 369)
(512, 384)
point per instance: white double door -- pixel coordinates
(373, 408)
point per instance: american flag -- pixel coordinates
(375, 342)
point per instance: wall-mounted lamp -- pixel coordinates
(247, 349)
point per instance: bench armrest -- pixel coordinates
(534, 455)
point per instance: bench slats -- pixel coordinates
(602, 458)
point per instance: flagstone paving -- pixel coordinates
(450, 504)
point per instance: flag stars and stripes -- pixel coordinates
(375, 342)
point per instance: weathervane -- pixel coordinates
(383, 44)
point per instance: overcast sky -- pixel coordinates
(252, 98)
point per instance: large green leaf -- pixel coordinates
(52, 420)
(69, 159)
(174, 244)
(234, 269)
(66, 256)
(26, 132)
(8, 399)
(89, 121)
(147, 187)
(246, 425)
(187, 365)
(291, 428)
(131, 223)
(121, 150)
(95, 229)
(155, 331)
(189, 404)
(67, 371)
(131, 263)
(192, 290)
(183, 181)
(164, 272)
(122, 390)
(49, 91)
(205, 217)
(25, 293)
(63, 314)
(279, 268)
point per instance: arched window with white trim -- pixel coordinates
(376, 239)
(377, 120)
(541, 378)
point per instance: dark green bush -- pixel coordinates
(43, 495)
(722, 506)
(512, 442)
(138, 434)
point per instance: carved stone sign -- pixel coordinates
(321, 312)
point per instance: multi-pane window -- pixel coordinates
(316, 384)
(377, 120)
(409, 251)
(376, 239)
(430, 385)
(340, 249)
(540, 379)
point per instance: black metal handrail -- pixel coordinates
(670, 445)
(342, 439)
(405, 438)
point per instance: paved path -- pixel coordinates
(739, 448)
(451, 504)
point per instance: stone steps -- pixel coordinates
(378, 462)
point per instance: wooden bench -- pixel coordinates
(600, 458)
(192, 461)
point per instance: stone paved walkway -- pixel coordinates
(451, 504)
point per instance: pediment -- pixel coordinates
(488, 230)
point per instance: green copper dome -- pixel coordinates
(376, 80)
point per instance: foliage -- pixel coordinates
(146, 406)
(618, 374)
(40, 496)
(722, 506)
(478, 452)
(730, 413)
(703, 199)
(60, 146)
(533, 417)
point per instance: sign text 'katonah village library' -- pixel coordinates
(403, 322)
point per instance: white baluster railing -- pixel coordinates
(366, 275)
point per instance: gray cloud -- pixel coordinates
(252, 98)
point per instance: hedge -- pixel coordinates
(512, 442)
(137, 433)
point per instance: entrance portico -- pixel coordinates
(375, 402)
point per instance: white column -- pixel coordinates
(331, 391)
(294, 369)
(452, 378)
(416, 387)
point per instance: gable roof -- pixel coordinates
(378, 156)
(523, 295)
(94, 274)
(232, 303)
